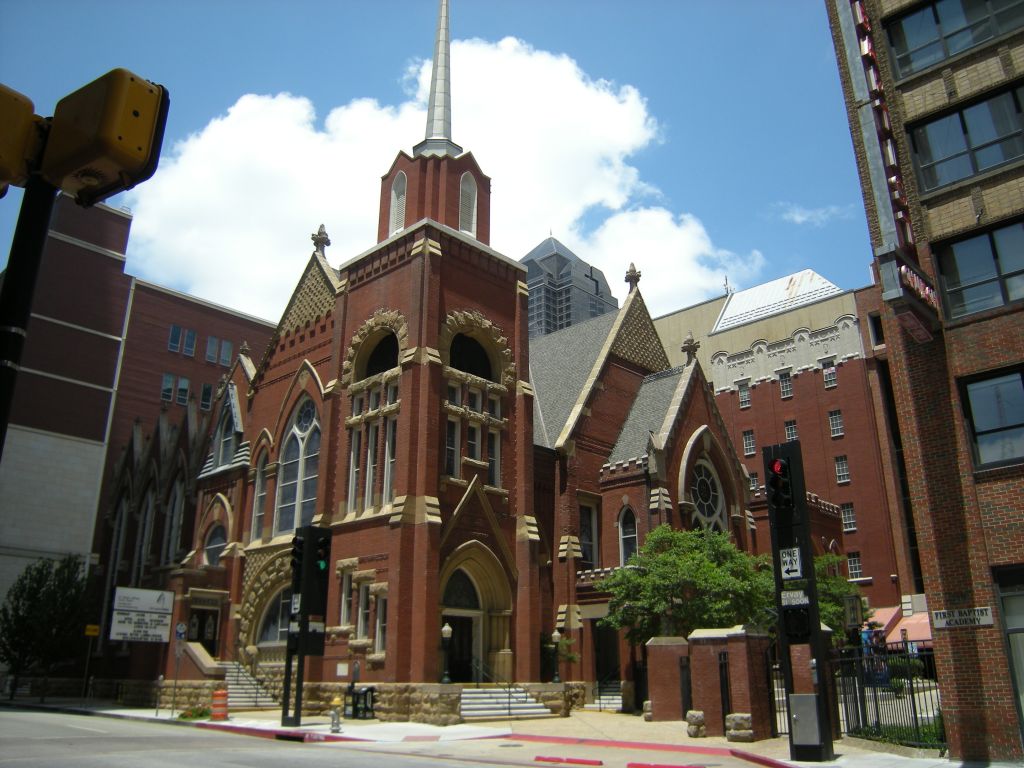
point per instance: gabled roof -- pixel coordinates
(559, 365)
(313, 297)
(773, 298)
(566, 365)
(648, 413)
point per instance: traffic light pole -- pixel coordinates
(19, 285)
(796, 600)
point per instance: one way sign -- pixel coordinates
(789, 561)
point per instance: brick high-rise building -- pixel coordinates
(103, 351)
(935, 97)
(795, 359)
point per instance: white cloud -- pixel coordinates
(229, 214)
(679, 263)
(816, 217)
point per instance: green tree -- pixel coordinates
(680, 581)
(43, 616)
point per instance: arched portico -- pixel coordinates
(476, 602)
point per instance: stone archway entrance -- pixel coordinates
(477, 604)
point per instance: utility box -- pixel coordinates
(803, 716)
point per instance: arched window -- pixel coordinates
(384, 356)
(259, 499)
(467, 204)
(274, 627)
(216, 540)
(373, 436)
(397, 216)
(299, 469)
(226, 439)
(627, 535)
(144, 538)
(467, 354)
(173, 521)
(707, 498)
(460, 592)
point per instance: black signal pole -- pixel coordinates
(19, 285)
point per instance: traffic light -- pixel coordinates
(315, 589)
(20, 138)
(298, 561)
(780, 485)
(106, 136)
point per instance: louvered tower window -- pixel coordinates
(397, 220)
(467, 204)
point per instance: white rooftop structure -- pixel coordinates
(773, 298)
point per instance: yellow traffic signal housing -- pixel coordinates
(19, 138)
(106, 136)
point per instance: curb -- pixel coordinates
(739, 754)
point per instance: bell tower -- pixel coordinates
(439, 181)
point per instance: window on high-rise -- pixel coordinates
(983, 271)
(975, 138)
(212, 347)
(853, 565)
(174, 339)
(791, 433)
(938, 30)
(995, 409)
(849, 517)
(835, 423)
(744, 391)
(842, 469)
(748, 443)
(785, 384)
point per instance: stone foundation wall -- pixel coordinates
(189, 693)
(560, 698)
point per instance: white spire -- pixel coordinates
(438, 138)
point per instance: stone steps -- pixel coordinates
(245, 692)
(495, 703)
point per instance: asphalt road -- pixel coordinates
(34, 738)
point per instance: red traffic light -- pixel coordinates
(780, 467)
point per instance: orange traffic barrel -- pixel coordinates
(219, 710)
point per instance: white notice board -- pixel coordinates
(142, 615)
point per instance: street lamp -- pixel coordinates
(556, 636)
(446, 638)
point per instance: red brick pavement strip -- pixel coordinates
(749, 757)
(567, 760)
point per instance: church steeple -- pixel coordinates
(438, 181)
(438, 138)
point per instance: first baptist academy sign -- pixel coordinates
(962, 617)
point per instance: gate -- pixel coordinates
(777, 692)
(889, 693)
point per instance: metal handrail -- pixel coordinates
(480, 669)
(597, 689)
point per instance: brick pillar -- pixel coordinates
(705, 645)
(748, 679)
(664, 679)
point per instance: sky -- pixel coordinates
(702, 140)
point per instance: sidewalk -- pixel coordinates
(587, 734)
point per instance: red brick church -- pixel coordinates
(469, 477)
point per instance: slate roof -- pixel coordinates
(647, 414)
(560, 363)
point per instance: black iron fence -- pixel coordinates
(889, 693)
(883, 693)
